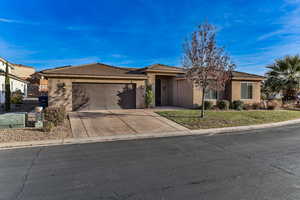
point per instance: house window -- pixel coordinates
(211, 94)
(214, 95)
(246, 90)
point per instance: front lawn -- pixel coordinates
(219, 119)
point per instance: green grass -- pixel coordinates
(219, 119)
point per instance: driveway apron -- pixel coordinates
(120, 122)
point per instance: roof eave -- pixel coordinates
(165, 71)
(249, 78)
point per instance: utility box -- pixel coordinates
(38, 120)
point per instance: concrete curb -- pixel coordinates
(208, 132)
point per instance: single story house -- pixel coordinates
(99, 86)
(16, 82)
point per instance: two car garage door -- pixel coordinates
(100, 96)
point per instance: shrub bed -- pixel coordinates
(54, 116)
(208, 105)
(223, 104)
(237, 105)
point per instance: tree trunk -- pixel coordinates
(7, 89)
(203, 100)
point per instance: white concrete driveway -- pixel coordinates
(120, 122)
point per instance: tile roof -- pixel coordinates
(99, 69)
(163, 67)
(94, 69)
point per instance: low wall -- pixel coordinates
(13, 120)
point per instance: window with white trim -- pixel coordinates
(246, 90)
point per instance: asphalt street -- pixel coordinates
(261, 164)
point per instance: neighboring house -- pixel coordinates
(99, 86)
(38, 85)
(43, 85)
(22, 71)
(16, 83)
(25, 73)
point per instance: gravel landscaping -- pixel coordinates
(219, 119)
(34, 134)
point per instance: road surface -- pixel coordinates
(262, 164)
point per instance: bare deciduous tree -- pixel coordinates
(207, 65)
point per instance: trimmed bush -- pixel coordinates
(48, 126)
(149, 96)
(208, 105)
(237, 105)
(215, 107)
(223, 104)
(55, 115)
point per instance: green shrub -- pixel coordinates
(237, 105)
(208, 105)
(56, 115)
(223, 104)
(48, 126)
(149, 96)
(16, 97)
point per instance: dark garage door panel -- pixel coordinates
(96, 96)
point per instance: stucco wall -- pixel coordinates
(232, 93)
(23, 72)
(63, 96)
(151, 81)
(236, 91)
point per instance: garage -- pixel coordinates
(101, 96)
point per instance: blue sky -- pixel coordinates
(137, 33)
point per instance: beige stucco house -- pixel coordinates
(22, 71)
(98, 86)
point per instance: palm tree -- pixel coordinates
(284, 75)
